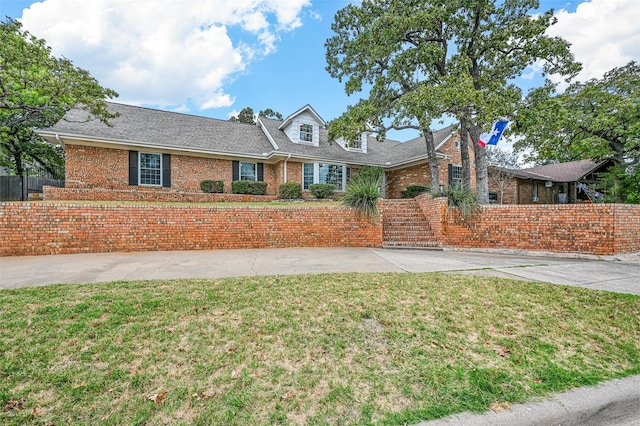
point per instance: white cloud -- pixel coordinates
(164, 52)
(604, 34)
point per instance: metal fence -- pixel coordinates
(18, 188)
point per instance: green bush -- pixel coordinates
(250, 187)
(464, 200)
(212, 186)
(414, 190)
(290, 191)
(322, 190)
(363, 191)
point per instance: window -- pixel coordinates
(306, 132)
(248, 171)
(455, 175)
(331, 173)
(308, 172)
(150, 169)
(324, 173)
(355, 144)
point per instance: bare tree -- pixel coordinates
(503, 167)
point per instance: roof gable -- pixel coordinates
(308, 109)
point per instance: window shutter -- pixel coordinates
(260, 172)
(166, 170)
(133, 168)
(450, 170)
(235, 171)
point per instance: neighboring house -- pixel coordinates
(153, 150)
(561, 183)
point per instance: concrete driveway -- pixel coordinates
(619, 274)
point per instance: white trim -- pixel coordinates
(140, 154)
(307, 107)
(445, 140)
(135, 145)
(316, 174)
(267, 134)
(255, 170)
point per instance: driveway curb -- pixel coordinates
(616, 402)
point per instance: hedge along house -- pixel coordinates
(146, 150)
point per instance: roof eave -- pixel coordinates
(122, 143)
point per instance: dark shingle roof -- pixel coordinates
(138, 126)
(571, 171)
(152, 127)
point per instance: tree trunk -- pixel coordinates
(482, 175)
(433, 160)
(464, 154)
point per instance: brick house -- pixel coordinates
(561, 183)
(147, 150)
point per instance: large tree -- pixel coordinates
(598, 119)
(36, 90)
(425, 59)
(247, 116)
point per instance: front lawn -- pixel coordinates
(307, 349)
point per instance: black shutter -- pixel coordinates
(260, 172)
(450, 169)
(133, 168)
(166, 170)
(235, 173)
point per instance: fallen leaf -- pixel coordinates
(13, 404)
(289, 395)
(505, 353)
(158, 397)
(500, 407)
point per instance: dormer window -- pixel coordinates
(303, 126)
(356, 144)
(306, 132)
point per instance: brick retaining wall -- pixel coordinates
(600, 229)
(151, 194)
(52, 228)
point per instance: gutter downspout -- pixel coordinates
(285, 168)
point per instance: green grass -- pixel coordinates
(308, 349)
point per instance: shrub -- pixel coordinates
(250, 187)
(290, 191)
(212, 186)
(414, 190)
(464, 200)
(322, 190)
(363, 191)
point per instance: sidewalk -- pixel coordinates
(613, 275)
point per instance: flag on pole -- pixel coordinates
(494, 136)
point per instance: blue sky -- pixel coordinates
(214, 57)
